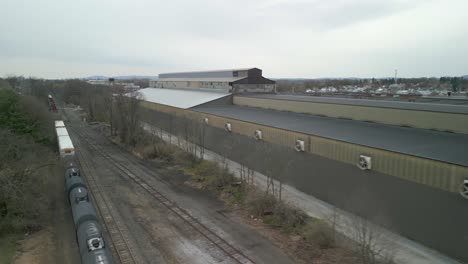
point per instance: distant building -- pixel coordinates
(98, 82)
(131, 87)
(232, 81)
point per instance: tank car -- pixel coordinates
(100, 256)
(82, 211)
(72, 171)
(74, 182)
(79, 194)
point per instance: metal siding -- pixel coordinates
(433, 173)
(413, 118)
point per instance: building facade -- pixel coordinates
(248, 80)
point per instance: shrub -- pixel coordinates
(160, 151)
(320, 233)
(289, 217)
(259, 203)
(214, 177)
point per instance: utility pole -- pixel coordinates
(396, 72)
(111, 84)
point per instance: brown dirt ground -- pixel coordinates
(32, 249)
(56, 241)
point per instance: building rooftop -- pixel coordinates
(442, 146)
(460, 109)
(214, 79)
(179, 98)
(203, 74)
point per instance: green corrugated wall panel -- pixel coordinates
(437, 174)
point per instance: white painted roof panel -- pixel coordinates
(61, 131)
(179, 98)
(65, 142)
(59, 123)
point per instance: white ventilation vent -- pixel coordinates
(464, 189)
(365, 162)
(228, 127)
(300, 145)
(95, 243)
(258, 134)
(205, 120)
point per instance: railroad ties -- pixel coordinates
(218, 242)
(107, 212)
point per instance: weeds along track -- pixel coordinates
(115, 228)
(221, 244)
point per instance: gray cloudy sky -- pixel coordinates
(286, 38)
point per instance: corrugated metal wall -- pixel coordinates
(441, 175)
(421, 119)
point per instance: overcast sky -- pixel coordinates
(285, 38)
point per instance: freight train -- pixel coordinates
(51, 102)
(91, 244)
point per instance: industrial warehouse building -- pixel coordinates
(233, 81)
(394, 163)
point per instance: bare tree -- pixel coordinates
(371, 247)
(127, 112)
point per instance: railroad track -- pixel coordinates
(217, 241)
(107, 212)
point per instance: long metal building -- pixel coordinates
(233, 81)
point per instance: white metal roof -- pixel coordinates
(59, 123)
(65, 142)
(219, 73)
(61, 131)
(205, 79)
(179, 98)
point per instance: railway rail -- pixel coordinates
(217, 241)
(120, 240)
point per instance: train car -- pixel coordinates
(66, 147)
(69, 164)
(74, 182)
(88, 231)
(61, 131)
(79, 194)
(59, 123)
(100, 256)
(89, 236)
(82, 211)
(72, 172)
(52, 105)
(65, 144)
